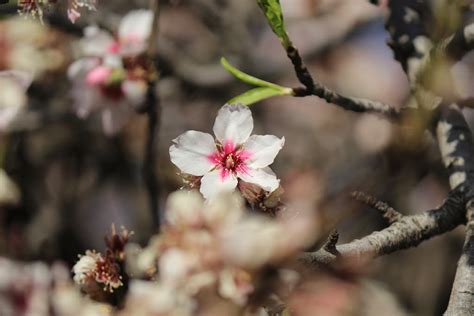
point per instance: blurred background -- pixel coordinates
(74, 181)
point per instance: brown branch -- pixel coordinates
(457, 151)
(406, 233)
(312, 88)
(330, 245)
(461, 301)
(388, 213)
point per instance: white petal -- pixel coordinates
(214, 183)
(191, 152)
(134, 30)
(96, 42)
(233, 123)
(265, 178)
(263, 150)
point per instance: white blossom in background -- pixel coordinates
(13, 97)
(30, 46)
(37, 289)
(111, 78)
(211, 246)
(231, 156)
(37, 8)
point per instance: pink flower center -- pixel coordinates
(230, 159)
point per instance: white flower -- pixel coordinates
(151, 298)
(85, 267)
(110, 78)
(233, 155)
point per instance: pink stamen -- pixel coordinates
(230, 159)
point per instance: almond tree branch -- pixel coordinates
(457, 150)
(407, 232)
(312, 88)
(410, 45)
(388, 212)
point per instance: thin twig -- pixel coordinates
(153, 112)
(406, 233)
(316, 89)
(388, 212)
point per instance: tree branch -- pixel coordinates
(153, 112)
(316, 89)
(457, 151)
(407, 232)
(388, 212)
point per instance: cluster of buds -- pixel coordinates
(37, 8)
(97, 273)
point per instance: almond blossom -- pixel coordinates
(232, 156)
(36, 8)
(111, 78)
(198, 251)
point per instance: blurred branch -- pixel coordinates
(410, 43)
(153, 112)
(388, 213)
(407, 232)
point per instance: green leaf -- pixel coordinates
(258, 94)
(274, 15)
(248, 78)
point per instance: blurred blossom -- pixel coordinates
(12, 96)
(112, 77)
(216, 246)
(29, 46)
(37, 8)
(36, 289)
(149, 298)
(234, 155)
